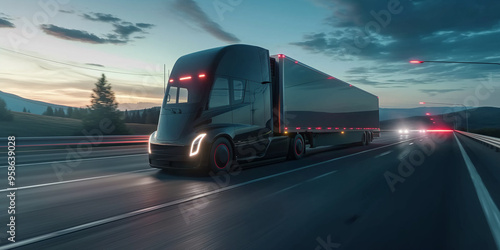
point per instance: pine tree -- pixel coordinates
(5, 114)
(24, 110)
(69, 112)
(49, 111)
(104, 106)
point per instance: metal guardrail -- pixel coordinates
(78, 140)
(489, 141)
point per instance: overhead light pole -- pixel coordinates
(453, 104)
(420, 61)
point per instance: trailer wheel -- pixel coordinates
(364, 140)
(221, 156)
(297, 147)
(368, 137)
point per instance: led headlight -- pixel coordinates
(149, 143)
(196, 144)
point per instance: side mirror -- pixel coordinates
(168, 98)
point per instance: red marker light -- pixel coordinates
(427, 113)
(421, 102)
(201, 75)
(330, 77)
(296, 61)
(185, 78)
(171, 80)
(297, 128)
(416, 61)
(308, 128)
(286, 128)
(318, 128)
(281, 56)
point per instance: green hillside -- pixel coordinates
(26, 124)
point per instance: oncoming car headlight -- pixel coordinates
(196, 144)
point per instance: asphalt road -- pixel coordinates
(413, 191)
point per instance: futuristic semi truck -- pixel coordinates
(238, 104)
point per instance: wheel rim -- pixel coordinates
(221, 156)
(299, 146)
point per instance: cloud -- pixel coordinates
(124, 31)
(119, 35)
(67, 11)
(428, 29)
(5, 23)
(76, 35)
(190, 10)
(434, 92)
(101, 17)
(95, 64)
(144, 25)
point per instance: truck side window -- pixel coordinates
(183, 95)
(239, 90)
(219, 96)
(172, 95)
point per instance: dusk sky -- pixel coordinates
(55, 50)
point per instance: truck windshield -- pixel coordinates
(181, 95)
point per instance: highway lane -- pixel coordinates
(347, 201)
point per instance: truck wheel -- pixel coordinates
(368, 138)
(364, 139)
(221, 156)
(297, 147)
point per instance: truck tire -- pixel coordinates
(363, 139)
(297, 147)
(221, 156)
(368, 137)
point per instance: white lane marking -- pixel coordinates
(300, 183)
(171, 203)
(411, 143)
(76, 180)
(83, 159)
(489, 207)
(383, 154)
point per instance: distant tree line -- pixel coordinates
(145, 116)
(75, 113)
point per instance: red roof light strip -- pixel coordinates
(185, 78)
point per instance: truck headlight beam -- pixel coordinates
(196, 144)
